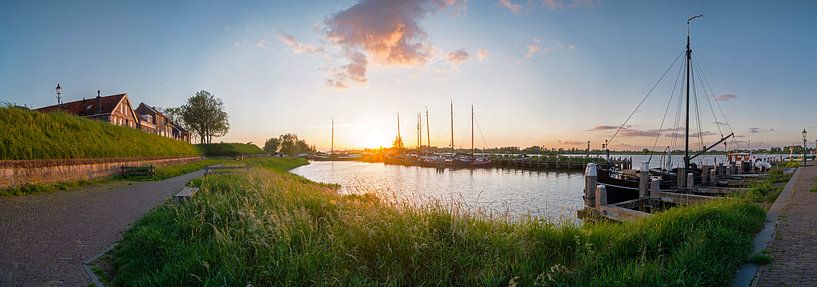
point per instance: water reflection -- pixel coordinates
(554, 196)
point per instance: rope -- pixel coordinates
(644, 99)
(717, 103)
(666, 110)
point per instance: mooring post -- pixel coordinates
(644, 178)
(601, 196)
(590, 176)
(720, 169)
(655, 186)
(690, 180)
(713, 174)
(682, 172)
(705, 174)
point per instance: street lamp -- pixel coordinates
(804, 147)
(59, 95)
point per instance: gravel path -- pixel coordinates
(794, 249)
(44, 238)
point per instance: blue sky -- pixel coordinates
(550, 72)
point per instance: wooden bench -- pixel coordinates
(139, 171)
(212, 168)
(186, 193)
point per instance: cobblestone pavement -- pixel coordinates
(794, 248)
(44, 238)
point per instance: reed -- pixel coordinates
(267, 227)
(28, 135)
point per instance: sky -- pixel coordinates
(552, 73)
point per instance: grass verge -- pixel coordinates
(268, 227)
(30, 135)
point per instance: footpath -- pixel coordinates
(794, 246)
(45, 237)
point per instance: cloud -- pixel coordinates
(386, 31)
(515, 8)
(482, 54)
(560, 4)
(725, 97)
(533, 48)
(627, 131)
(569, 143)
(355, 71)
(458, 57)
(756, 130)
(603, 128)
(297, 46)
(692, 135)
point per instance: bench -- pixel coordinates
(139, 171)
(212, 168)
(186, 193)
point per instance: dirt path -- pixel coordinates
(44, 238)
(794, 248)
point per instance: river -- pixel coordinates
(551, 195)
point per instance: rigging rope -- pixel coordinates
(644, 99)
(666, 110)
(717, 103)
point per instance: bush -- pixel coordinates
(229, 149)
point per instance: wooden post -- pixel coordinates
(705, 174)
(590, 176)
(644, 178)
(690, 180)
(601, 196)
(713, 174)
(720, 169)
(655, 186)
(681, 172)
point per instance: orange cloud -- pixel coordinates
(482, 54)
(515, 8)
(297, 46)
(458, 57)
(385, 31)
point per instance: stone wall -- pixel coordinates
(20, 172)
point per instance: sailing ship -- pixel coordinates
(623, 185)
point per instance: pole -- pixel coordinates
(332, 151)
(428, 131)
(420, 128)
(804, 151)
(472, 130)
(686, 134)
(398, 129)
(452, 126)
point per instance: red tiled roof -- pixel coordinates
(87, 107)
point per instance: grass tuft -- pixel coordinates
(269, 227)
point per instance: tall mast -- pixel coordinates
(419, 130)
(398, 126)
(332, 151)
(452, 125)
(688, 70)
(428, 131)
(472, 130)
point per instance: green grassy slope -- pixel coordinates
(229, 149)
(26, 135)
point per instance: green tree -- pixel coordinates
(205, 116)
(398, 143)
(272, 144)
(175, 116)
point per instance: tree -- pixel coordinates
(398, 143)
(292, 146)
(175, 116)
(204, 115)
(271, 146)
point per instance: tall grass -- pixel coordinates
(229, 149)
(30, 135)
(267, 227)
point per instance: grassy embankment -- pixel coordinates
(269, 227)
(29, 135)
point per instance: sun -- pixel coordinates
(376, 139)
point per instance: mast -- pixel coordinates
(472, 130)
(688, 71)
(428, 131)
(398, 127)
(419, 130)
(452, 125)
(332, 151)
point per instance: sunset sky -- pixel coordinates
(538, 72)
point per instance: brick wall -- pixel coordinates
(19, 172)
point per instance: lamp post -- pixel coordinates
(59, 95)
(804, 147)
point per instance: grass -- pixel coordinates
(766, 191)
(268, 227)
(760, 259)
(229, 149)
(29, 135)
(38, 188)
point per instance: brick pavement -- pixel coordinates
(794, 248)
(44, 238)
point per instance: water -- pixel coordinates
(550, 195)
(554, 196)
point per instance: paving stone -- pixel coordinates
(44, 238)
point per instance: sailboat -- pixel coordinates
(624, 185)
(470, 160)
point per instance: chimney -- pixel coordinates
(98, 102)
